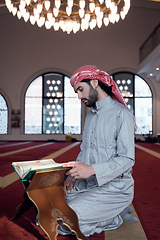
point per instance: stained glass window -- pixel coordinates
(138, 97)
(72, 116)
(3, 116)
(33, 107)
(50, 103)
(126, 86)
(143, 106)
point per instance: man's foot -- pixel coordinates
(126, 214)
(63, 229)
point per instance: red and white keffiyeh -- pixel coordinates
(92, 72)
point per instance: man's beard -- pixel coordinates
(92, 98)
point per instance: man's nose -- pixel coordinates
(79, 95)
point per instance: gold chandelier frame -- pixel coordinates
(69, 15)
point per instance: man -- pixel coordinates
(100, 186)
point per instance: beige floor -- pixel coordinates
(128, 231)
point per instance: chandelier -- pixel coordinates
(69, 15)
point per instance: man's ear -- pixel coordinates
(94, 83)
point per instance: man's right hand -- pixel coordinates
(68, 185)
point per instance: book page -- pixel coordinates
(24, 167)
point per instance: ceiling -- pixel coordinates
(152, 62)
(150, 66)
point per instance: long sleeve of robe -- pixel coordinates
(108, 145)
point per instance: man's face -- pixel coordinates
(86, 93)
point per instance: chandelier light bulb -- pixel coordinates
(56, 26)
(32, 19)
(61, 24)
(117, 17)
(39, 7)
(127, 4)
(23, 12)
(106, 21)
(64, 26)
(27, 2)
(74, 30)
(70, 15)
(97, 10)
(35, 11)
(99, 23)
(101, 1)
(55, 11)
(10, 7)
(36, 14)
(19, 14)
(116, 9)
(76, 26)
(52, 21)
(23, 3)
(100, 15)
(14, 11)
(47, 4)
(112, 6)
(81, 13)
(122, 15)
(82, 4)
(125, 9)
(108, 3)
(49, 16)
(21, 8)
(70, 3)
(91, 6)
(57, 3)
(26, 16)
(93, 23)
(48, 24)
(84, 24)
(68, 26)
(8, 2)
(68, 10)
(87, 17)
(82, 27)
(40, 22)
(112, 18)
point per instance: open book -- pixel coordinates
(26, 169)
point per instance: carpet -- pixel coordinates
(24, 227)
(147, 190)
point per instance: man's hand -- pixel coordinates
(68, 185)
(79, 170)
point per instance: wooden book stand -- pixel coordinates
(47, 193)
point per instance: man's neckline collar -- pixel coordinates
(101, 103)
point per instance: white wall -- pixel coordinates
(26, 51)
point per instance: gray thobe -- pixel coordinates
(108, 145)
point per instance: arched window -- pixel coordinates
(51, 106)
(138, 97)
(3, 116)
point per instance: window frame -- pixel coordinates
(133, 75)
(43, 98)
(7, 115)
